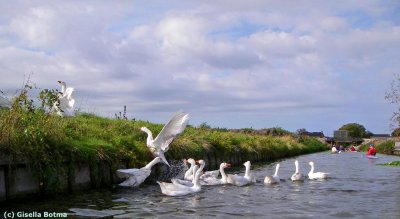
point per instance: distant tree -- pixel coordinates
(396, 132)
(301, 131)
(278, 131)
(368, 134)
(393, 96)
(355, 130)
(204, 125)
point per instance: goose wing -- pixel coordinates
(173, 128)
(210, 174)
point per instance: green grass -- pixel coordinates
(393, 163)
(38, 135)
(383, 147)
(47, 142)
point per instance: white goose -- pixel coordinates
(316, 175)
(210, 181)
(65, 99)
(189, 174)
(297, 176)
(212, 174)
(135, 177)
(242, 180)
(274, 178)
(187, 182)
(171, 189)
(170, 131)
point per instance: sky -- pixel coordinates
(232, 64)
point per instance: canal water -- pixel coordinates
(358, 188)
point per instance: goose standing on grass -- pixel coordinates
(135, 177)
(274, 178)
(316, 175)
(297, 176)
(171, 189)
(242, 180)
(170, 131)
(65, 100)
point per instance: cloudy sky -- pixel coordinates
(236, 64)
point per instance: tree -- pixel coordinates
(393, 96)
(355, 130)
(396, 132)
(301, 131)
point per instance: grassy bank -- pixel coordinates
(382, 146)
(47, 142)
(40, 136)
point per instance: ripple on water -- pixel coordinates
(355, 185)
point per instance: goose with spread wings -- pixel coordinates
(170, 131)
(65, 99)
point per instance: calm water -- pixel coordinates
(358, 188)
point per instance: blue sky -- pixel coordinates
(236, 64)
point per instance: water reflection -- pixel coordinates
(356, 184)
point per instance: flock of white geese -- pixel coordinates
(194, 178)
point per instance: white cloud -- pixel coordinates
(217, 60)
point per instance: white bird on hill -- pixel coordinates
(170, 131)
(65, 99)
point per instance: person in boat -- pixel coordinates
(371, 150)
(334, 150)
(352, 148)
(341, 148)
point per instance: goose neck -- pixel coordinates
(276, 170)
(247, 173)
(297, 167)
(223, 175)
(152, 163)
(312, 169)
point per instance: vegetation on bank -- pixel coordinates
(383, 147)
(393, 163)
(48, 142)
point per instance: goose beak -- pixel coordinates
(59, 82)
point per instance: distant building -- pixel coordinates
(342, 137)
(380, 136)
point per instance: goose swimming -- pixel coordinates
(316, 175)
(274, 178)
(297, 176)
(215, 181)
(171, 189)
(242, 180)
